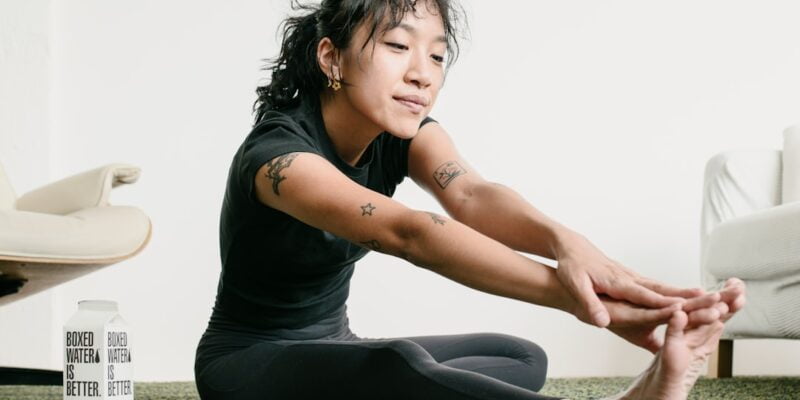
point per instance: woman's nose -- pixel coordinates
(419, 71)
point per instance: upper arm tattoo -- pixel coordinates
(447, 172)
(274, 168)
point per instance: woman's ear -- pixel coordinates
(327, 56)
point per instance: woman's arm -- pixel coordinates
(462, 254)
(500, 213)
(490, 208)
(310, 189)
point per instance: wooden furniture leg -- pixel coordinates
(721, 363)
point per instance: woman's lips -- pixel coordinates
(412, 106)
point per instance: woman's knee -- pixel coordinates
(409, 350)
(534, 351)
(520, 349)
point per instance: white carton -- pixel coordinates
(97, 353)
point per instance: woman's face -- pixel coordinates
(394, 83)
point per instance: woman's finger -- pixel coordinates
(738, 304)
(632, 292)
(730, 294)
(733, 296)
(626, 314)
(668, 290)
(703, 316)
(704, 301)
(659, 287)
(724, 311)
(735, 282)
(584, 293)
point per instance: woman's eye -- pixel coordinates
(397, 46)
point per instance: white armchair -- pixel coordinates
(65, 229)
(750, 229)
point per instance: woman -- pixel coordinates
(342, 122)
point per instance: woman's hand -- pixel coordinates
(587, 273)
(637, 324)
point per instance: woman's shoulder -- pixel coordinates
(278, 132)
(297, 119)
(281, 125)
(276, 119)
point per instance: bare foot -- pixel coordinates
(733, 295)
(719, 305)
(677, 365)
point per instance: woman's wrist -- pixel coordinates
(564, 239)
(557, 296)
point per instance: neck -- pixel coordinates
(350, 132)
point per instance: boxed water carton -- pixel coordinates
(97, 353)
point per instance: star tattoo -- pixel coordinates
(367, 209)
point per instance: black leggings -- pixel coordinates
(478, 366)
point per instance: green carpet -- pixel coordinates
(741, 388)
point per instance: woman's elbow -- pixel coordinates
(411, 237)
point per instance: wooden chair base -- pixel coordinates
(28, 376)
(720, 365)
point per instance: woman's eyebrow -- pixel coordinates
(412, 30)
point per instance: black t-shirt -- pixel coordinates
(278, 272)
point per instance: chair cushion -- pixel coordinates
(771, 310)
(89, 235)
(762, 245)
(83, 190)
(763, 249)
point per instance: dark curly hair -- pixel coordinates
(296, 72)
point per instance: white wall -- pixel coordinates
(25, 95)
(602, 114)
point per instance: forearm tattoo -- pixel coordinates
(447, 172)
(367, 209)
(436, 219)
(372, 244)
(274, 168)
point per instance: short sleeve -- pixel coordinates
(395, 156)
(425, 121)
(263, 144)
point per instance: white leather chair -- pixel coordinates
(751, 229)
(62, 231)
